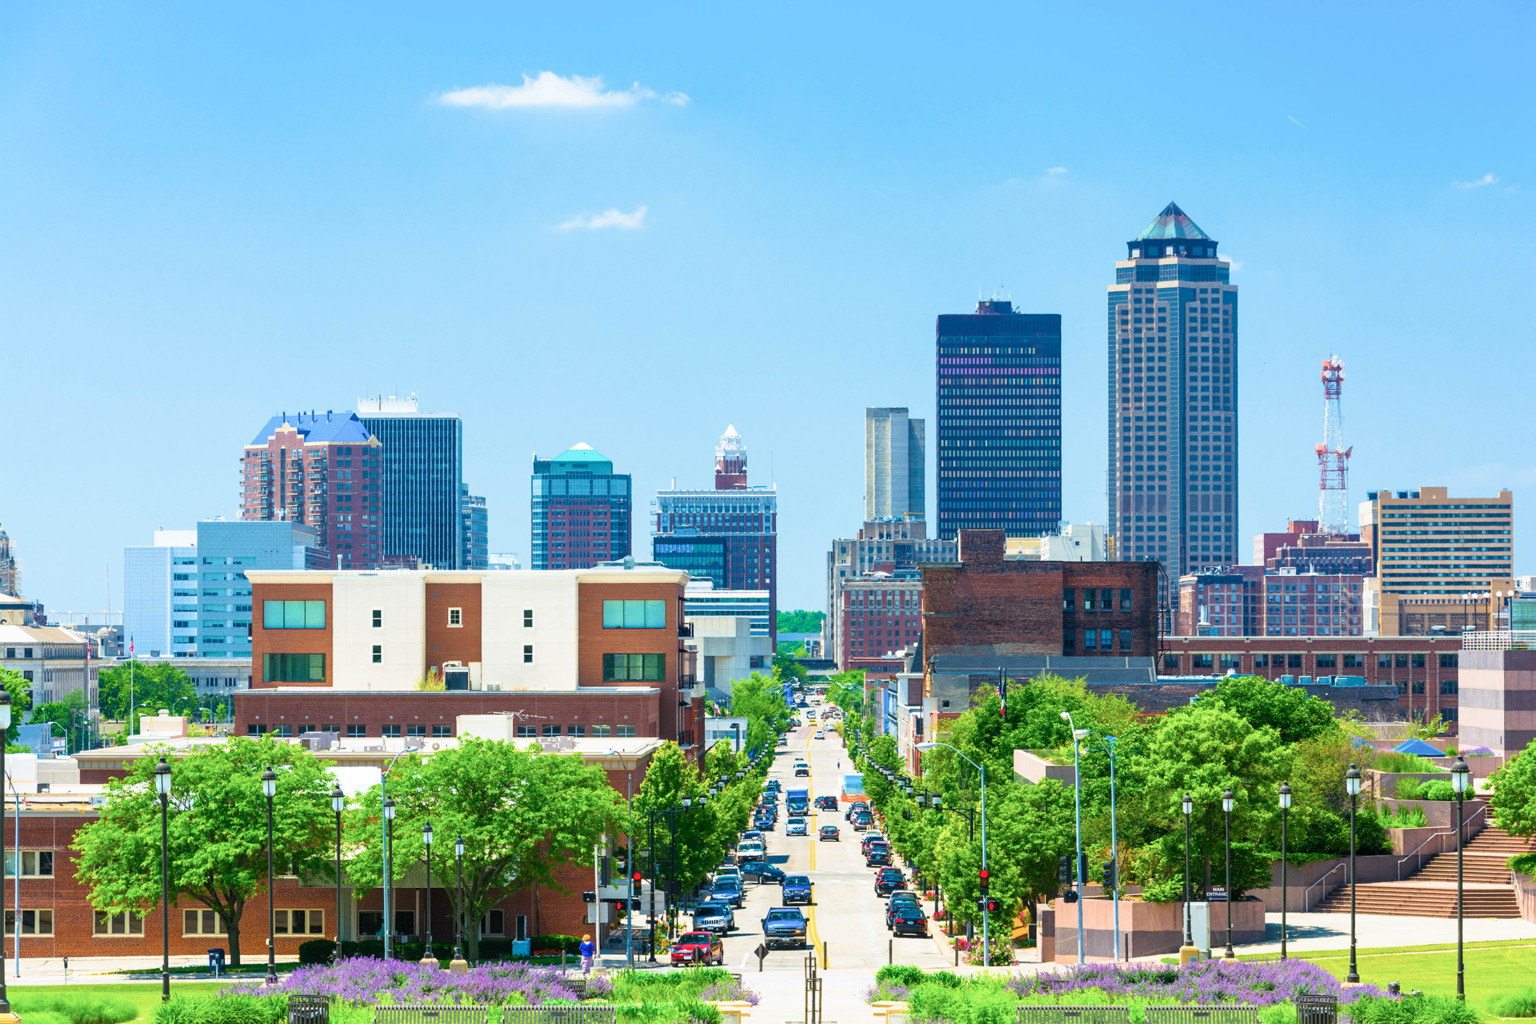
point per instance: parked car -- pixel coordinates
(751, 835)
(729, 890)
(855, 808)
(784, 926)
(698, 948)
(714, 916)
(870, 838)
(909, 919)
(877, 855)
(827, 833)
(862, 821)
(900, 898)
(888, 880)
(727, 871)
(795, 889)
(761, 871)
(794, 827)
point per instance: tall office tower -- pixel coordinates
(1172, 482)
(320, 470)
(10, 569)
(1442, 563)
(894, 465)
(477, 524)
(999, 412)
(423, 478)
(160, 595)
(581, 510)
(728, 535)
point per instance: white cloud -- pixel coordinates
(1236, 264)
(1055, 172)
(609, 218)
(1488, 179)
(552, 90)
(1293, 121)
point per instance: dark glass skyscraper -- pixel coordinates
(423, 480)
(999, 412)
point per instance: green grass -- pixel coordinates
(245, 970)
(144, 997)
(1492, 969)
(1374, 950)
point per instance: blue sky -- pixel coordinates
(214, 212)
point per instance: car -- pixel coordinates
(751, 835)
(727, 871)
(698, 948)
(794, 827)
(827, 833)
(909, 919)
(826, 803)
(766, 824)
(855, 808)
(870, 838)
(714, 916)
(820, 735)
(761, 871)
(728, 890)
(897, 900)
(877, 855)
(802, 771)
(888, 880)
(795, 889)
(785, 926)
(861, 821)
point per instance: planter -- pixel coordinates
(1030, 767)
(733, 1011)
(1383, 785)
(1525, 895)
(890, 1011)
(1440, 815)
(1146, 929)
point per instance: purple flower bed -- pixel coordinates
(1260, 983)
(727, 991)
(365, 981)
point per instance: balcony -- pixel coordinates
(685, 629)
(685, 738)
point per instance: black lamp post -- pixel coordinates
(1187, 952)
(1285, 813)
(458, 905)
(1226, 810)
(1461, 782)
(389, 852)
(163, 790)
(1352, 784)
(269, 790)
(426, 841)
(338, 803)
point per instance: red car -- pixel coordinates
(698, 948)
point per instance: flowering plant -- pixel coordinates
(365, 981)
(1256, 982)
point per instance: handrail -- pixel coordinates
(1481, 809)
(1306, 904)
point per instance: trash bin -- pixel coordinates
(216, 961)
(522, 947)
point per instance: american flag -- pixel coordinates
(1002, 693)
(130, 647)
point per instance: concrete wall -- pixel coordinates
(1146, 929)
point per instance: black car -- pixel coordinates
(899, 900)
(877, 855)
(909, 920)
(826, 803)
(761, 871)
(855, 808)
(888, 880)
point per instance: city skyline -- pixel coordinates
(249, 197)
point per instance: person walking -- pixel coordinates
(587, 949)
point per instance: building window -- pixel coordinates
(1090, 639)
(255, 730)
(378, 654)
(1125, 641)
(1261, 661)
(442, 732)
(1448, 660)
(1232, 661)
(293, 668)
(378, 618)
(1383, 661)
(416, 730)
(1106, 600)
(527, 732)
(455, 617)
(370, 922)
(355, 732)
(576, 730)
(1068, 641)
(636, 668)
(293, 615)
(300, 922)
(391, 732)
(201, 922)
(634, 614)
(624, 731)
(493, 924)
(34, 864)
(600, 732)
(1293, 661)
(1354, 661)
(1400, 660)
(549, 730)
(1125, 599)
(527, 618)
(1199, 661)
(1418, 687)
(33, 922)
(527, 654)
(104, 925)
(1069, 600)
(1447, 686)
(1418, 661)
(1089, 600)
(1170, 663)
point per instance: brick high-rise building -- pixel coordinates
(320, 470)
(895, 459)
(884, 550)
(581, 510)
(998, 393)
(729, 534)
(1172, 483)
(1245, 600)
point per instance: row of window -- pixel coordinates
(634, 614)
(596, 731)
(1097, 600)
(293, 614)
(354, 730)
(1096, 641)
(1322, 660)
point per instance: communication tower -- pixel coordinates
(1332, 456)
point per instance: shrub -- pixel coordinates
(1523, 863)
(1398, 761)
(316, 951)
(243, 1009)
(1169, 890)
(1418, 1009)
(77, 1008)
(177, 1011)
(1521, 1003)
(1436, 790)
(1404, 817)
(556, 943)
(899, 974)
(1407, 789)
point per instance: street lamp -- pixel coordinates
(986, 946)
(426, 841)
(1077, 801)
(1352, 784)
(389, 849)
(338, 804)
(1188, 952)
(163, 789)
(1226, 811)
(458, 966)
(1461, 782)
(1285, 813)
(269, 790)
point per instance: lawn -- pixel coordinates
(146, 997)
(1490, 970)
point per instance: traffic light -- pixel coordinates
(635, 878)
(989, 906)
(1064, 872)
(1109, 877)
(984, 878)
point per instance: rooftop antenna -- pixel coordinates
(1332, 456)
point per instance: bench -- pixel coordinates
(1317, 1009)
(1195, 1013)
(306, 1009)
(428, 1014)
(589, 1014)
(1065, 1014)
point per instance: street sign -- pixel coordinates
(1216, 894)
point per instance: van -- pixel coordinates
(750, 851)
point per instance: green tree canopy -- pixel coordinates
(67, 714)
(1289, 710)
(217, 833)
(150, 687)
(663, 829)
(21, 699)
(523, 816)
(760, 700)
(1514, 793)
(800, 621)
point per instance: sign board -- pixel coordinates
(597, 913)
(1216, 894)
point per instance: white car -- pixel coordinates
(820, 735)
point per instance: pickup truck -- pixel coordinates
(797, 802)
(785, 926)
(795, 889)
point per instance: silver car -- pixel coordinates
(714, 917)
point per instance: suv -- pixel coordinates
(855, 808)
(862, 820)
(870, 838)
(802, 770)
(908, 918)
(714, 916)
(899, 899)
(888, 880)
(784, 926)
(794, 827)
(728, 890)
(826, 803)
(795, 889)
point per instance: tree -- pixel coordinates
(21, 699)
(149, 687)
(1289, 710)
(67, 714)
(787, 670)
(1028, 829)
(523, 815)
(760, 700)
(218, 830)
(662, 827)
(1514, 793)
(800, 621)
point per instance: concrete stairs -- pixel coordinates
(1431, 891)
